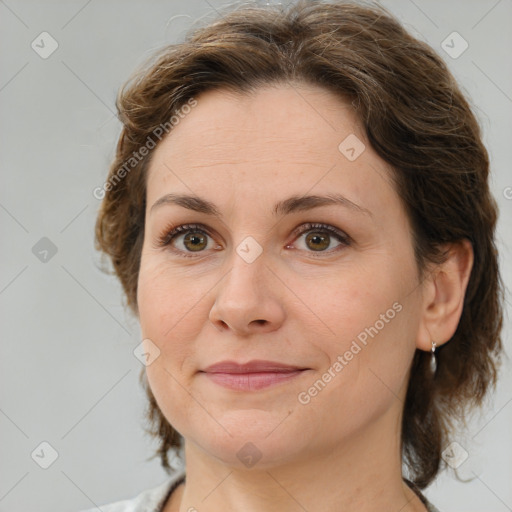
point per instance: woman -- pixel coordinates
(300, 216)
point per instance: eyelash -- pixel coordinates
(171, 233)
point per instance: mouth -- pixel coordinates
(251, 376)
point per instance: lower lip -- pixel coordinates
(251, 381)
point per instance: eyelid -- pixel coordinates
(172, 231)
(320, 226)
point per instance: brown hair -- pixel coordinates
(415, 118)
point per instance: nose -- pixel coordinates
(247, 300)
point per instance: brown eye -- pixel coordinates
(195, 241)
(320, 238)
(186, 239)
(318, 241)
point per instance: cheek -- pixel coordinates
(155, 301)
(371, 318)
(164, 297)
(353, 300)
(172, 311)
(166, 315)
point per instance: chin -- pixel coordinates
(259, 439)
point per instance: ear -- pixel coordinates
(443, 296)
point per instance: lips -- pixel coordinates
(251, 376)
(256, 366)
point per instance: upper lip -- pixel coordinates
(255, 366)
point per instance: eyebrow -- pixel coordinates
(285, 207)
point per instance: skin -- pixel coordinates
(293, 304)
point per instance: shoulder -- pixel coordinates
(149, 500)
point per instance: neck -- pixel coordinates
(364, 475)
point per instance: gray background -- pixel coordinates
(68, 373)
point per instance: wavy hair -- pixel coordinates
(416, 119)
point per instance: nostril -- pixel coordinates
(221, 326)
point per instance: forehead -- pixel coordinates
(286, 118)
(258, 144)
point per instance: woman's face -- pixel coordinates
(328, 287)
